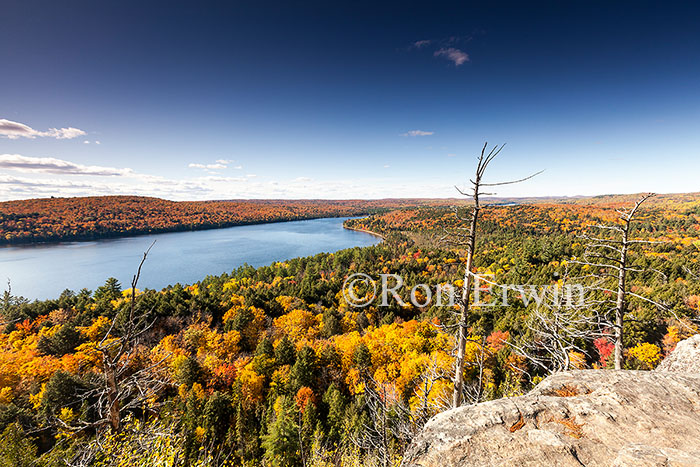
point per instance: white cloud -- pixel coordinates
(451, 155)
(218, 165)
(222, 179)
(418, 133)
(44, 177)
(97, 142)
(86, 142)
(64, 133)
(215, 187)
(457, 56)
(14, 130)
(207, 166)
(56, 166)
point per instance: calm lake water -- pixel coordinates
(44, 270)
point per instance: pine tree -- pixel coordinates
(281, 443)
(285, 354)
(304, 370)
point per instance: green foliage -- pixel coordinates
(336, 405)
(217, 414)
(64, 341)
(281, 443)
(331, 323)
(63, 390)
(304, 370)
(111, 290)
(16, 450)
(242, 319)
(189, 372)
(285, 354)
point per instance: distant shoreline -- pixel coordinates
(365, 231)
(153, 231)
(52, 220)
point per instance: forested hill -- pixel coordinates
(87, 218)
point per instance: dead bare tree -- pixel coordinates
(559, 325)
(126, 386)
(123, 388)
(390, 423)
(474, 391)
(691, 273)
(608, 252)
(466, 236)
(428, 379)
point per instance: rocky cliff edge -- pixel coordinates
(578, 418)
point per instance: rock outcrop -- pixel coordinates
(576, 418)
(685, 358)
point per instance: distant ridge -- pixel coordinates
(94, 217)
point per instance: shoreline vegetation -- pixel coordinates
(54, 220)
(374, 234)
(180, 228)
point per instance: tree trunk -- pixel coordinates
(620, 304)
(458, 381)
(112, 396)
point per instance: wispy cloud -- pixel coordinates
(207, 166)
(422, 44)
(56, 166)
(42, 177)
(450, 53)
(449, 47)
(218, 165)
(15, 130)
(418, 133)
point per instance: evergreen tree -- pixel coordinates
(285, 353)
(16, 450)
(281, 443)
(264, 361)
(216, 415)
(336, 405)
(304, 370)
(111, 290)
(331, 323)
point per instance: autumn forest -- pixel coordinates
(349, 234)
(274, 367)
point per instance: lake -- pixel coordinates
(41, 271)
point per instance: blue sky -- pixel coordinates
(346, 99)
